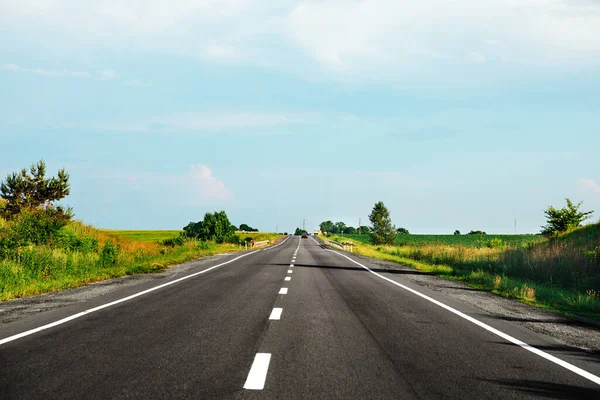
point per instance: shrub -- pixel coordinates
(69, 240)
(109, 254)
(496, 243)
(172, 242)
(235, 239)
(566, 218)
(215, 226)
(34, 226)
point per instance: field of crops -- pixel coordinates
(455, 240)
(144, 236)
(157, 236)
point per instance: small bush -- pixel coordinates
(34, 226)
(496, 243)
(109, 254)
(235, 239)
(172, 242)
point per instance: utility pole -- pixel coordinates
(358, 224)
(277, 228)
(515, 226)
(304, 225)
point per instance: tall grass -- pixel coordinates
(145, 235)
(562, 273)
(81, 254)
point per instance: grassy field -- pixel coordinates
(469, 241)
(144, 236)
(82, 254)
(562, 274)
(159, 236)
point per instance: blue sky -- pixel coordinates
(457, 115)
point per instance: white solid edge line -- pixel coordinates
(112, 303)
(276, 314)
(581, 372)
(258, 372)
(277, 245)
(283, 290)
(288, 279)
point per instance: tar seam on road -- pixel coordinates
(258, 372)
(124, 299)
(581, 372)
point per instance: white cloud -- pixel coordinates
(370, 38)
(135, 83)
(352, 35)
(44, 72)
(589, 185)
(477, 58)
(223, 52)
(107, 74)
(197, 122)
(196, 187)
(203, 186)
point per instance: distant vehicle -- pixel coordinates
(304, 235)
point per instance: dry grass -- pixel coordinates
(39, 269)
(562, 274)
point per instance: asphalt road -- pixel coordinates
(339, 331)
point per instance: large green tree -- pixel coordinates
(382, 231)
(31, 189)
(215, 226)
(327, 226)
(561, 220)
(247, 228)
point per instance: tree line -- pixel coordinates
(382, 230)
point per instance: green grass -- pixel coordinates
(144, 236)
(84, 254)
(475, 241)
(562, 274)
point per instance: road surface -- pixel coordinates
(296, 321)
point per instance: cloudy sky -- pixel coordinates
(456, 114)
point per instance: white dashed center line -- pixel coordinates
(258, 372)
(283, 290)
(289, 271)
(276, 313)
(288, 279)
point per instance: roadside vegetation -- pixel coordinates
(559, 270)
(42, 249)
(144, 235)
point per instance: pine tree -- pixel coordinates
(30, 190)
(382, 231)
